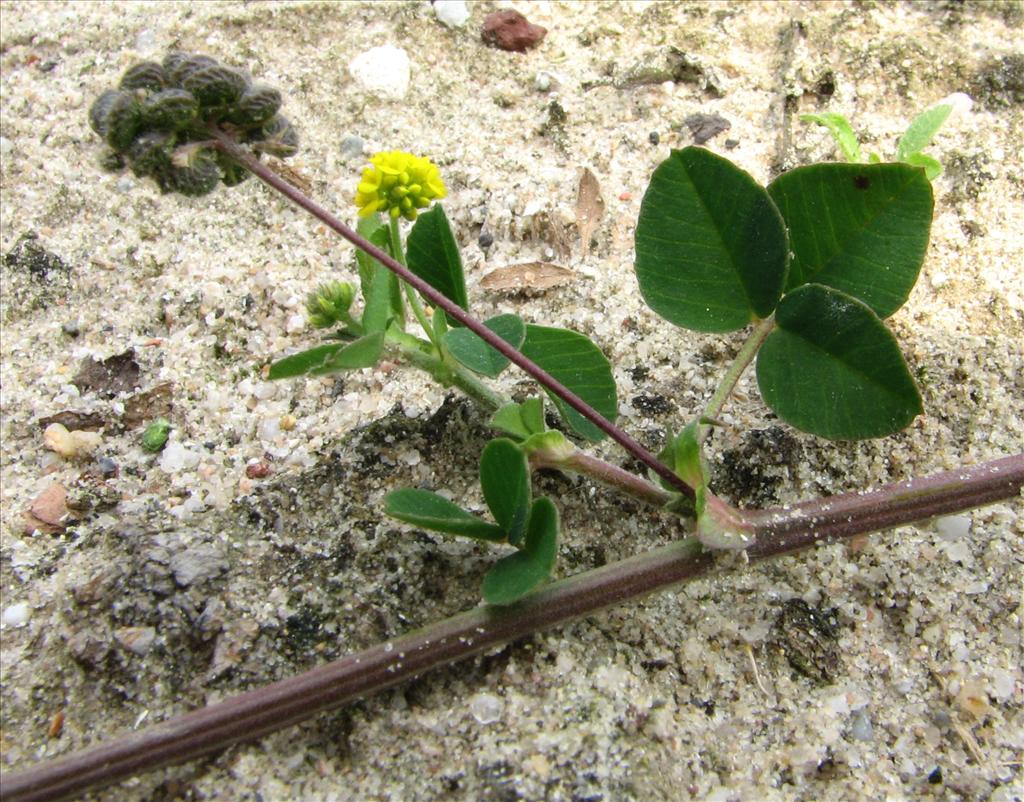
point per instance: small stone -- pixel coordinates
(953, 527)
(177, 458)
(88, 647)
(706, 126)
(860, 726)
(351, 147)
(485, 240)
(510, 30)
(287, 422)
(17, 615)
(107, 468)
(71, 328)
(145, 40)
(654, 137)
(51, 507)
(154, 437)
(543, 81)
(452, 13)
(138, 640)
(485, 707)
(197, 564)
(70, 444)
(6, 146)
(257, 470)
(382, 70)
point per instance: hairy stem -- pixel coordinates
(611, 475)
(424, 356)
(296, 196)
(395, 238)
(289, 701)
(732, 376)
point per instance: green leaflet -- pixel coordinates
(521, 420)
(862, 229)
(514, 576)
(832, 368)
(578, 364)
(841, 131)
(331, 358)
(505, 480)
(431, 511)
(922, 131)
(433, 255)
(382, 292)
(710, 245)
(477, 355)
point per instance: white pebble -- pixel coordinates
(6, 146)
(953, 527)
(382, 70)
(485, 707)
(145, 40)
(452, 13)
(264, 391)
(16, 615)
(1002, 685)
(295, 324)
(176, 458)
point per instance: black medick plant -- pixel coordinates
(813, 265)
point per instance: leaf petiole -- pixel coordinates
(732, 376)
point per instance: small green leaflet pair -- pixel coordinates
(830, 250)
(916, 138)
(433, 255)
(531, 525)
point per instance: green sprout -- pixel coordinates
(915, 139)
(154, 436)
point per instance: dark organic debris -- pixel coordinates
(157, 402)
(706, 126)
(72, 420)
(1000, 83)
(28, 255)
(669, 64)
(510, 30)
(809, 639)
(33, 277)
(114, 375)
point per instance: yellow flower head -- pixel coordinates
(398, 183)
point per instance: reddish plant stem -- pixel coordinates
(289, 701)
(296, 196)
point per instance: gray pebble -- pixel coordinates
(71, 328)
(860, 726)
(351, 147)
(197, 564)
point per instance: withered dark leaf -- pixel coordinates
(141, 408)
(589, 208)
(116, 374)
(527, 277)
(71, 420)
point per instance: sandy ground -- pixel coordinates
(184, 580)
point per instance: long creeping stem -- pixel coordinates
(289, 701)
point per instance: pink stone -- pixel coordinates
(510, 30)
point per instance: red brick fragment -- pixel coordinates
(510, 30)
